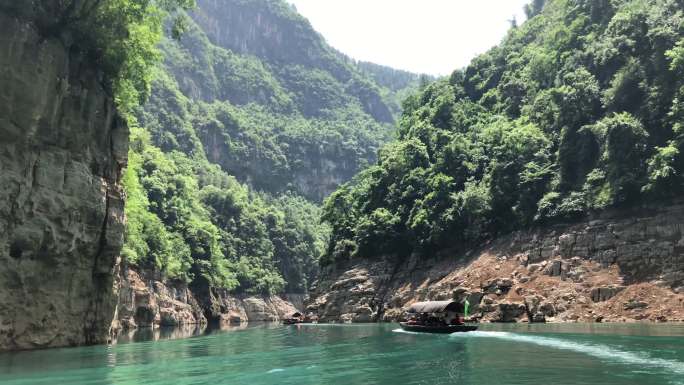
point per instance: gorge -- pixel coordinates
(244, 133)
(250, 170)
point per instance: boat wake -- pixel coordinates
(604, 352)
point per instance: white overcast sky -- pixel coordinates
(424, 36)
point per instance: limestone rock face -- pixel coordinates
(147, 301)
(599, 294)
(229, 307)
(62, 150)
(267, 309)
(622, 266)
(351, 297)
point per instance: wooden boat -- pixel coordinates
(437, 317)
(442, 329)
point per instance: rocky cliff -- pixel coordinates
(146, 301)
(62, 149)
(620, 266)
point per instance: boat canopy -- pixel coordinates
(436, 307)
(297, 314)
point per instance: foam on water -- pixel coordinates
(604, 352)
(276, 370)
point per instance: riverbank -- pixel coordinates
(146, 301)
(621, 266)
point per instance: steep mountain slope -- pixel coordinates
(320, 78)
(282, 110)
(252, 121)
(577, 111)
(396, 85)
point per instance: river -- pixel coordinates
(557, 354)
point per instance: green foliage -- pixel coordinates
(279, 127)
(676, 55)
(396, 85)
(662, 170)
(625, 156)
(236, 138)
(578, 153)
(318, 77)
(187, 219)
(148, 243)
(119, 36)
(534, 8)
(579, 109)
(626, 88)
(209, 72)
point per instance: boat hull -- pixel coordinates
(440, 329)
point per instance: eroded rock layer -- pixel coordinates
(62, 149)
(150, 302)
(622, 266)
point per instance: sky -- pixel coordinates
(422, 36)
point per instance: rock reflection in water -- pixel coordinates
(186, 331)
(162, 333)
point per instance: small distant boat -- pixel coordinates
(294, 319)
(437, 317)
(299, 318)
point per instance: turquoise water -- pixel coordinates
(368, 354)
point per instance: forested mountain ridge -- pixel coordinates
(396, 84)
(252, 120)
(577, 110)
(542, 183)
(322, 79)
(281, 122)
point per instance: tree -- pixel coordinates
(581, 108)
(625, 156)
(534, 8)
(121, 36)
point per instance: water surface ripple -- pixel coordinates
(368, 354)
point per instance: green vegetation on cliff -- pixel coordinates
(119, 36)
(577, 110)
(188, 219)
(251, 122)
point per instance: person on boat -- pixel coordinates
(435, 320)
(452, 318)
(424, 319)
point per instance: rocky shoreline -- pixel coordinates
(622, 266)
(146, 301)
